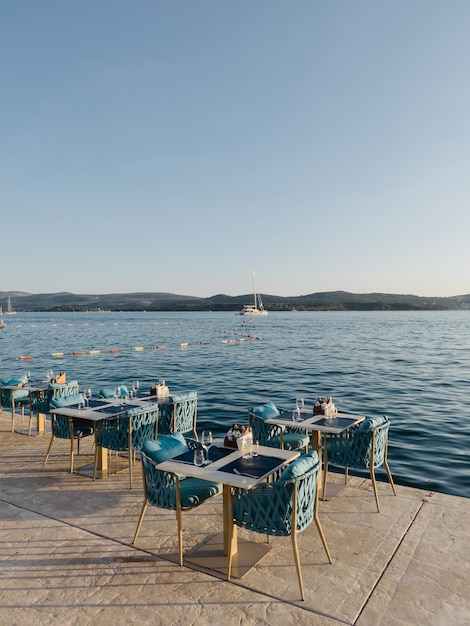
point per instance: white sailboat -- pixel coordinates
(9, 310)
(257, 308)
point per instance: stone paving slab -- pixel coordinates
(67, 555)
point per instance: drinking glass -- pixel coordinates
(117, 394)
(255, 448)
(206, 442)
(199, 458)
(135, 387)
(87, 395)
(299, 403)
(50, 375)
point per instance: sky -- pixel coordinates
(176, 146)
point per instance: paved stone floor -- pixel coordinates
(67, 556)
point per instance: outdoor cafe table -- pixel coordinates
(97, 411)
(36, 392)
(319, 426)
(213, 554)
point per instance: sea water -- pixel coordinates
(412, 366)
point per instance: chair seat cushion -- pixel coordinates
(372, 422)
(300, 466)
(72, 400)
(294, 441)
(265, 411)
(21, 380)
(83, 431)
(165, 447)
(194, 491)
(108, 392)
(135, 410)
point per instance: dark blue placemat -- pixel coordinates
(94, 403)
(214, 455)
(335, 422)
(111, 410)
(254, 467)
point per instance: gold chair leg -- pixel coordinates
(390, 479)
(374, 484)
(49, 449)
(322, 537)
(71, 454)
(141, 519)
(95, 463)
(230, 553)
(295, 547)
(179, 519)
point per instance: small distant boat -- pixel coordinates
(257, 308)
(9, 310)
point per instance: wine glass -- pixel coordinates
(117, 394)
(299, 403)
(206, 442)
(87, 396)
(50, 375)
(135, 387)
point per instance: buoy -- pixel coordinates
(26, 358)
(139, 348)
(184, 345)
(116, 350)
(94, 351)
(78, 352)
(57, 354)
(160, 347)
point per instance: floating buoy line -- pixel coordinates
(141, 348)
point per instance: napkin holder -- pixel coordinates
(237, 436)
(160, 390)
(325, 406)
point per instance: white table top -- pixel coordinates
(96, 413)
(214, 473)
(336, 424)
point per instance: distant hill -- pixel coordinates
(142, 301)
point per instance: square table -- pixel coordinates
(35, 391)
(320, 426)
(96, 411)
(232, 471)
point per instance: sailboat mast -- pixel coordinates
(254, 290)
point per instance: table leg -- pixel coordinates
(229, 547)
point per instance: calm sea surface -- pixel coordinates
(412, 366)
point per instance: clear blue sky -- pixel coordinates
(152, 145)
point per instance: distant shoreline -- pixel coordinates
(167, 302)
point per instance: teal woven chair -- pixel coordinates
(15, 399)
(54, 392)
(126, 433)
(282, 508)
(64, 427)
(179, 414)
(171, 491)
(363, 447)
(274, 436)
